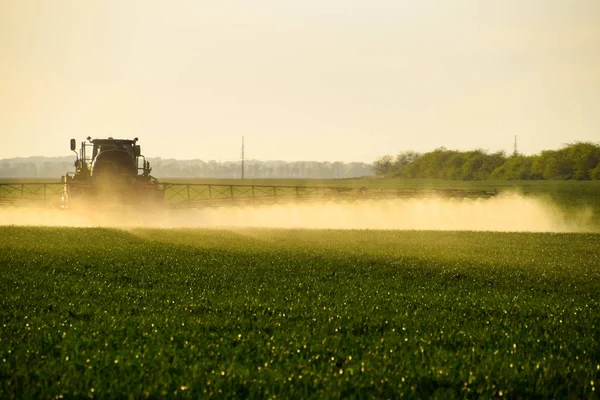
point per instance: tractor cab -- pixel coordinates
(110, 157)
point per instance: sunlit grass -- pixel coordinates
(256, 312)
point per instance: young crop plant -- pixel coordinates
(297, 313)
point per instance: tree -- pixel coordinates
(554, 164)
(584, 157)
(383, 165)
(514, 168)
(579, 160)
(404, 158)
(454, 165)
(595, 173)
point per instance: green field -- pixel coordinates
(298, 313)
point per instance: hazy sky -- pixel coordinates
(300, 79)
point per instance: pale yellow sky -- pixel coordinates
(301, 80)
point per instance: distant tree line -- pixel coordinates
(577, 161)
(55, 167)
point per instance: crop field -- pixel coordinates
(297, 313)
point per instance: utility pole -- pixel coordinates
(515, 152)
(242, 157)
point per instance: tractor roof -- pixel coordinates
(111, 140)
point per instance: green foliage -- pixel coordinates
(256, 313)
(383, 165)
(595, 173)
(554, 165)
(447, 164)
(517, 167)
(405, 158)
(585, 156)
(578, 161)
(479, 165)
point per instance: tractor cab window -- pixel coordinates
(102, 147)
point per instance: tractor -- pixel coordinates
(110, 172)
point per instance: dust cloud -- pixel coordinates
(501, 213)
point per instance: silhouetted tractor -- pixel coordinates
(110, 172)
